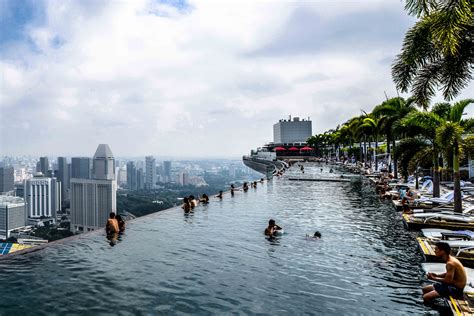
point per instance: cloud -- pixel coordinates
(187, 79)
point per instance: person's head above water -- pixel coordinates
(191, 197)
(118, 217)
(317, 234)
(112, 215)
(271, 222)
(185, 200)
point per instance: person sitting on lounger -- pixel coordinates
(406, 209)
(409, 197)
(271, 230)
(450, 283)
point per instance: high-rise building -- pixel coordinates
(63, 175)
(140, 179)
(91, 202)
(42, 197)
(103, 165)
(121, 177)
(81, 168)
(93, 199)
(44, 166)
(292, 131)
(183, 178)
(167, 170)
(12, 214)
(7, 179)
(150, 172)
(131, 176)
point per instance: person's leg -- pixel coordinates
(428, 297)
(428, 288)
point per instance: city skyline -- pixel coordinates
(188, 79)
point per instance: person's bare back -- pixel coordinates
(459, 277)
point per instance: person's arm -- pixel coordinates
(445, 277)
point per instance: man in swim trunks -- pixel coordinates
(452, 282)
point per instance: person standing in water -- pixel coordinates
(272, 228)
(450, 283)
(220, 195)
(121, 223)
(186, 205)
(112, 226)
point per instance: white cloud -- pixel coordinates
(148, 78)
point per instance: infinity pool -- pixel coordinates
(217, 261)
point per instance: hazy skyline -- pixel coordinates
(187, 78)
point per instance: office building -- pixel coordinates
(80, 168)
(150, 172)
(183, 178)
(12, 214)
(103, 164)
(292, 131)
(63, 175)
(140, 179)
(167, 171)
(42, 197)
(93, 199)
(7, 179)
(131, 176)
(44, 166)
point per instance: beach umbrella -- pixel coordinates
(293, 149)
(306, 148)
(279, 149)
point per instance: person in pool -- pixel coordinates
(193, 201)
(220, 195)
(450, 283)
(186, 205)
(272, 228)
(317, 235)
(121, 223)
(204, 199)
(112, 226)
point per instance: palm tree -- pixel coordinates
(370, 126)
(438, 51)
(426, 124)
(449, 134)
(390, 113)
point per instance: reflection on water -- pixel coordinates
(216, 259)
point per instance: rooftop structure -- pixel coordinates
(292, 131)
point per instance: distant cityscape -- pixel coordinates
(49, 198)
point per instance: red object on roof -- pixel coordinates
(306, 148)
(293, 149)
(279, 148)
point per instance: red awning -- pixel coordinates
(306, 148)
(279, 148)
(293, 149)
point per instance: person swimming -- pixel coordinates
(220, 195)
(204, 199)
(121, 223)
(193, 201)
(186, 205)
(272, 229)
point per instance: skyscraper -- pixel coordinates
(150, 172)
(81, 167)
(140, 179)
(183, 178)
(93, 199)
(12, 214)
(167, 170)
(63, 176)
(103, 165)
(131, 176)
(42, 197)
(44, 166)
(7, 179)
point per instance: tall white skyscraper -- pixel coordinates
(42, 197)
(183, 178)
(93, 199)
(150, 172)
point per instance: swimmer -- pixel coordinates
(204, 199)
(121, 224)
(220, 195)
(112, 226)
(272, 228)
(317, 235)
(192, 201)
(245, 187)
(186, 205)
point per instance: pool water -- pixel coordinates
(217, 260)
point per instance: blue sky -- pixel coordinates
(187, 78)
